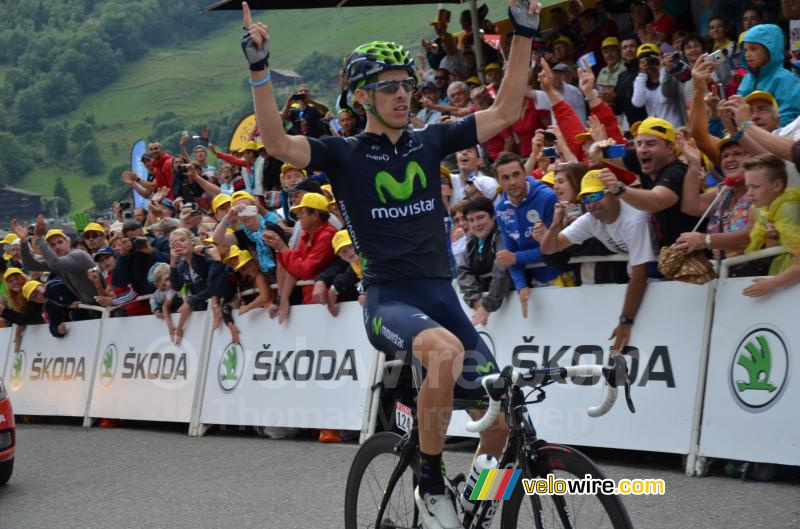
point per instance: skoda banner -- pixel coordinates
(310, 372)
(49, 376)
(143, 375)
(571, 326)
(752, 387)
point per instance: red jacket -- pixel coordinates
(570, 125)
(162, 170)
(311, 257)
(233, 159)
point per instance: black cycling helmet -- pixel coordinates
(368, 60)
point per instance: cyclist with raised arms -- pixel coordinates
(386, 183)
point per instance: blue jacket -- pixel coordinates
(773, 78)
(516, 226)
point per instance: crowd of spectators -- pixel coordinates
(634, 136)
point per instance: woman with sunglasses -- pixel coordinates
(387, 183)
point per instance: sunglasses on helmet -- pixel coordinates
(391, 87)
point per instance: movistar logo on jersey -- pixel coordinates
(400, 191)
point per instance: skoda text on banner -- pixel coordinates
(310, 372)
(142, 375)
(752, 386)
(570, 326)
(50, 376)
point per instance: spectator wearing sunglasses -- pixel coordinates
(622, 228)
(94, 235)
(430, 96)
(442, 80)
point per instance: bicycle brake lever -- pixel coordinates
(618, 374)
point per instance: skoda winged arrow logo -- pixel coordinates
(17, 370)
(108, 365)
(402, 190)
(759, 368)
(231, 367)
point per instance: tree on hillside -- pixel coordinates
(319, 68)
(14, 160)
(82, 133)
(89, 158)
(61, 193)
(100, 197)
(54, 138)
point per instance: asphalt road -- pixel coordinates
(153, 476)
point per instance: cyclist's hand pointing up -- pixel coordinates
(254, 41)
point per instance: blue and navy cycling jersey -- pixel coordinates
(390, 196)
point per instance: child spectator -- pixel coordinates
(763, 52)
(482, 281)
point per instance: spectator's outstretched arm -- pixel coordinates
(554, 241)
(650, 200)
(29, 261)
(765, 285)
(208, 187)
(698, 119)
(293, 149)
(693, 202)
(75, 262)
(633, 300)
(507, 107)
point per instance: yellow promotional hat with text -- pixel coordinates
(590, 183)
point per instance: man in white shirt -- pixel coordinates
(469, 163)
(622, 229)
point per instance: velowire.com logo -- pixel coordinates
(18, 365)
(759, 369)
(231, 367)
(108, 365)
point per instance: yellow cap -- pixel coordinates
(657, 127)
(444, 171)
(260, 145)
(242, 195)
(220, 200)
(93, 226)
(583, 136)
(562, 38)
(11, 271)
(285, 167)
(590, 183)
(340, 239)
(724, 141)
(493, 66)
(549, 178)
(635, 128)
(760, 94)
(9, 238)
(250, 146)
(474, 80)
(647, 47)
(53, 233)
(314, 201)
(209, 240)
(29, 287)
(232, 253)
(610, 41)
(741, 38)
(244, 257)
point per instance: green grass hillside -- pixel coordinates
(204, 78)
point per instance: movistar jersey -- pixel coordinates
(390, 196)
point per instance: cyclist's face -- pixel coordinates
(393, 108)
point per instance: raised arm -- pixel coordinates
(255, 42)
(507, 107)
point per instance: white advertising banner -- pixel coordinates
(50, 376)
(142, 375)
(571, 326)
(753, 383)
(310, 372)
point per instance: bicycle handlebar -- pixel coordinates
(615, 374)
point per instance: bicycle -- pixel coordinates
(386, 465)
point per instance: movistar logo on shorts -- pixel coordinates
(402, 190)
(378, 329)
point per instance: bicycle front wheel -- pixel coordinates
(574, 511)
(375, 477)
